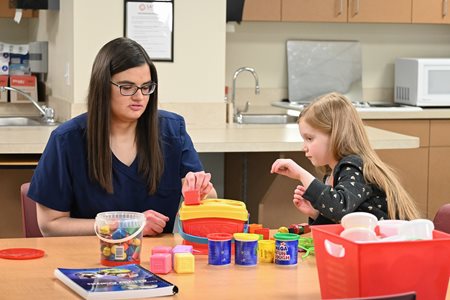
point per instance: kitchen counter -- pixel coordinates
(226, 138)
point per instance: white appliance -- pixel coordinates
(423, 82)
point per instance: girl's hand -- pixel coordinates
(199, 181)
(287, 167)
(303, 205)
(155, 222)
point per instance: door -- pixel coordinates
(430, 12)
(314, 11)
(380, 11)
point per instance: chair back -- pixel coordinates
(29, 218)
(442, 219)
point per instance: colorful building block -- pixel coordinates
(253, 227)
(192, 197)
(184, 263)
(161, 249)
(161, 263)
(264, 231)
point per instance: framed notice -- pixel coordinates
(150, 23)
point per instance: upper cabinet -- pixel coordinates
(430, 12)
(6, 12)
(314, 11)
(351, 11)
(262, 10)
(380, 11)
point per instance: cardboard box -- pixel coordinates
(25, 83)
(4, 82)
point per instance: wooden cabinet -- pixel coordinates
(262, 10)
(379, 11)
(314, 11)
(6, 12)
(411, 165)
(430, 11)
(439, 171)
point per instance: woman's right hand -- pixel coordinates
(303, 205)
(155, 222)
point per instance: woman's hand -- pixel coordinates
(155, 222)
(199, 181)
(303, 205)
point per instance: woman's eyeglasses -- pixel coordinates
(131, 89)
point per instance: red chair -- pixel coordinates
(442, 218)
(29, 218)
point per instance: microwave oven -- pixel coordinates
(422, 82)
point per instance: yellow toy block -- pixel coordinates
(184, 263)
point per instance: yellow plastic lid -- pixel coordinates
(214, 208)
(246, 236)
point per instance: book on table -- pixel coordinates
(121, 282)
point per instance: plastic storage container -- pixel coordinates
(348, 269)
(120, 234)
(211, 216)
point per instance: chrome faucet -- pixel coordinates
(236, 111)
(47, 113)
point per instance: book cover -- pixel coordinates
(121, 282)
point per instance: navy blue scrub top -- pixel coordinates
(61, 179)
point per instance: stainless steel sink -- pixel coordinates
(265, 119)
(24, 121)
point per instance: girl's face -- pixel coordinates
(316, 145)
(129, 108)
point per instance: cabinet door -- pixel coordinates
(262, 10)
(439, 179)
(430, 11)
(314, 11)
(6, 12)
(380, 11)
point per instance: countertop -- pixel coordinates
(239, 138)
(227, 138)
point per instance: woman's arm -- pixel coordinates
(57, 223)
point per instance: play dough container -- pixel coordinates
(120, 234)
(286, 249)
(219, 249)
(246, 246)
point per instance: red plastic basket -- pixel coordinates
(348, 269)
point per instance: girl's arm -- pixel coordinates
(291, 169)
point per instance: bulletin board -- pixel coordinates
(150, 23)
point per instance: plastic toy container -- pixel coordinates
(348, 269)
(120, 234)
(211, 216)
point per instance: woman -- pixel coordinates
(123, 154)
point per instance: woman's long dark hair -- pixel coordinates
(114, 57)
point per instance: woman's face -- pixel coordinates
(129, 108)
(317, 145)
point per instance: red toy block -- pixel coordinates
(264, 231)
(192, 197)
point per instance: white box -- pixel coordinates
(25, 83)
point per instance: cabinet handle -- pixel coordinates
(341, 7)
(444, 8)
(356, 7)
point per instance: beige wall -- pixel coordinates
(262, 45)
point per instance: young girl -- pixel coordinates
(356, 179)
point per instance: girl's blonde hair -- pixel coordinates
(333, 114)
